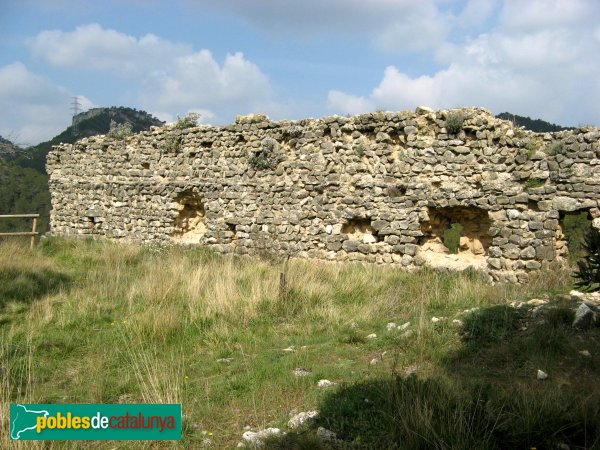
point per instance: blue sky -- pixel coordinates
(295, 59)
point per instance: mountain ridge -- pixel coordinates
(89, 123)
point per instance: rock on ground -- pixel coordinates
(301, 418)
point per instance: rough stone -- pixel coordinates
(583, 316)
(302, 418)
(376, 188)
(256, 439)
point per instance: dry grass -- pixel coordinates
(109, 323)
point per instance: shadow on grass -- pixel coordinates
(26, 286)
(485, 395)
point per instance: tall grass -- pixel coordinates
(95, 322)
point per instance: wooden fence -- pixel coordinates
(31, 233)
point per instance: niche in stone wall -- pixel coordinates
(456, 236)
(571, 230)
(189, 225)
(360, 230)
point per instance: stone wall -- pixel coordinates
(382, 188)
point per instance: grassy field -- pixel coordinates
(96, 322)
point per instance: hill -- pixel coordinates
(23, 179)
(8, 149)
(90, 123)
(537, 125)
(23, 190)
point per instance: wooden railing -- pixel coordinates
(31, 233)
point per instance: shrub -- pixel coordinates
(190, 120)
(119, 131)
(556, 148)
(451, 237)
(266, 157)
(533, 146)
(454, 122)
(173, 142)
(588, 273)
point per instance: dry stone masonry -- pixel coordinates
(381, 188)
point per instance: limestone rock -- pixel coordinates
(583, 316)
(302, 418)
(326, 384)
(301, 372)
(256, 439)
(326, 435)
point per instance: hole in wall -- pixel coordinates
(189, 225)
(91, 222)
(456, 236)
(533, 206)
(360, 229)
(145, 165)
(396, 191)
(571, 232)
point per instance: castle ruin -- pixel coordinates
(383, 188)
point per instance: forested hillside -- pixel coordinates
(537, 125)
(23, 179)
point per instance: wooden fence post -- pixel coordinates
(31, 233)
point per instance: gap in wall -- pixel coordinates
(572, 230)
(360, 229)
(456, 236)
(189, 225)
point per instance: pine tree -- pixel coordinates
(588, 275)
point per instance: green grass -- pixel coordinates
(87, 321)
(533, 183)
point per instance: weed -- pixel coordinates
(451, 237)
(359, 149)
(556, 148)
(519, 132)
(454, 122)
(190, 120)
(266, 158)
(533, 146)
(119, 131)
(532, 183)
(173, 141)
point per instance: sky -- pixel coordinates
(295, 59)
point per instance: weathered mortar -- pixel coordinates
(357, 188)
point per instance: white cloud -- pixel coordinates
(392, 25)
(348, 104)
(536, 14)
(91, 47)
(170, 78)
(33, 108)
(542, 71)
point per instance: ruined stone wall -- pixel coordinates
(382, 187)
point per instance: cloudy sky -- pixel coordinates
(295, 58)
